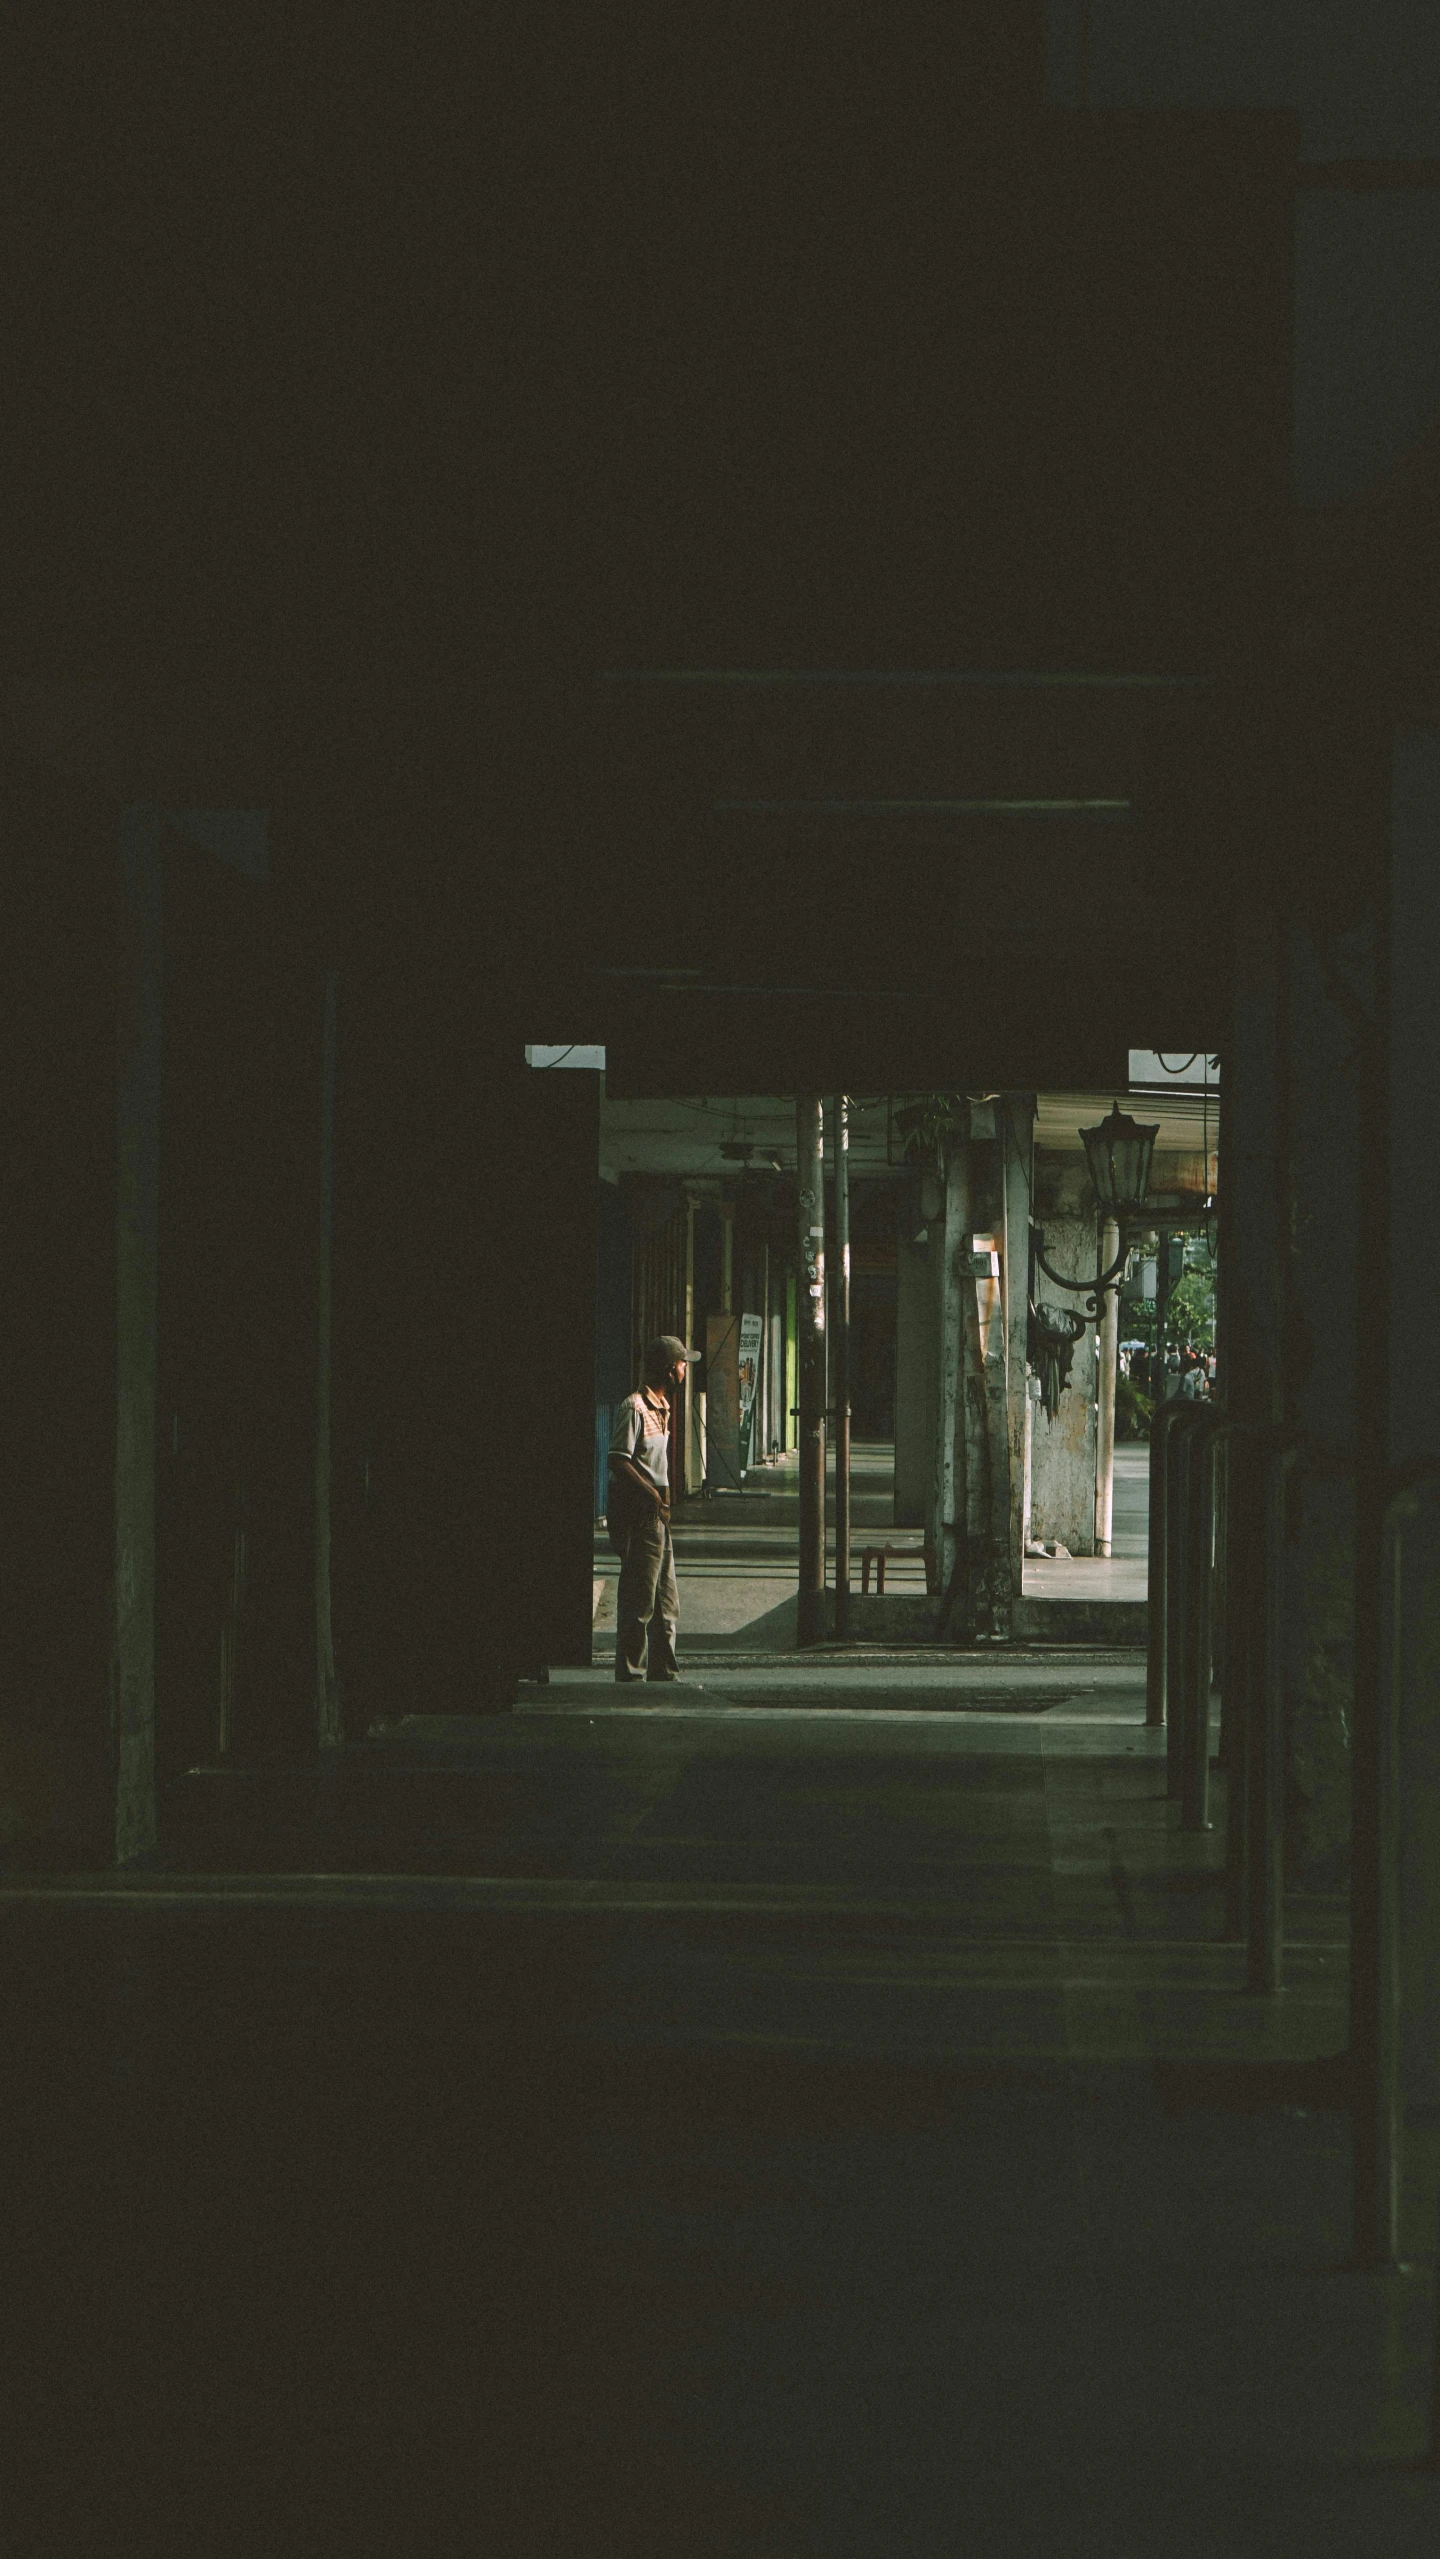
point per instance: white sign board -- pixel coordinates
(722, 1403)
(1152, 1070)
(752, 1333)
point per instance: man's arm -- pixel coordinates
(622, 1465)
(625, 1466)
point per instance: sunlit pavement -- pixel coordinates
(736, 1553)
(704, 2125)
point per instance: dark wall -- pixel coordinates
(57, 1020)
(238, 1319)
(872, 1355)
(465, 1332)
(614, 1322)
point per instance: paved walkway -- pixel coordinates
(737, 1555)
(782, 2120)
(1124, 1572)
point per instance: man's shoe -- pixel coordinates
(668, 1679)
(629, 1679)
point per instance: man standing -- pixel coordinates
(647, 1607)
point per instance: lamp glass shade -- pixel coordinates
(1118, 1154)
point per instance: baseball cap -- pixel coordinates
(665, 1350)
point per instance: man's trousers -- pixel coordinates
(647, 1607)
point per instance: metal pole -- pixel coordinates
(1177, 1603)
(1156, 1586)
(1202, 1444)
(841, 1295)
(1236, 1685)
(810, 1316)
(1377, 2122)
(1107, 1362)
(1162, 1316)
(1156, 1578)
(1265, 1732)
(1374, 1809)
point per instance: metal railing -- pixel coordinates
(1185, 1442)
(1183, 1634)
(1377, 2099)
(1185, 1445)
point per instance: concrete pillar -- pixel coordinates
(958, 1517)
(467, 1218)
(1325, 1284)
(327, 1701)
(1015, 1122)
(760, 1430)
(692, 1420)
(840, 1302)
(791, 1362)
(1062, 1456)
(137, 1130)
(117, 1287)
(917, 1362)
(727, 1257)
(810, 1210)
(988, 1338)
(1414, 1389)
(1107, 1364)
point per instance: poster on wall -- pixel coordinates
(722, 1403)
(752, 1333)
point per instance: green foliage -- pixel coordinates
(1192, 1310)
(1133, 1410)
(1191, 1319)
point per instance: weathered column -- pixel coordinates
(760, 1426)
(1414, 1397)
(1376, 2122)
(326, 1693)
(948, 1518)
(987, 1332)
(917, 1353)
(1016, 1121)
(1162, 1314)
(1254, 1181)
(1108, 1357)
(842, 1364)
(810, 1198)
(692, 1417)
(962, 1463)
(727, 1257)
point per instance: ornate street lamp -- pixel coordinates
(1118, 1153)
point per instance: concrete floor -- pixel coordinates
(736, 1555)
(1123, 1573)
(794, 2118)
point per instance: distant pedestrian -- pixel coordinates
(647, 1610)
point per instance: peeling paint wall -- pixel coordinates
(1063, 1451)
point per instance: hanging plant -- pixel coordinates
(928, 1122)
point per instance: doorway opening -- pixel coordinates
(699, 1237)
